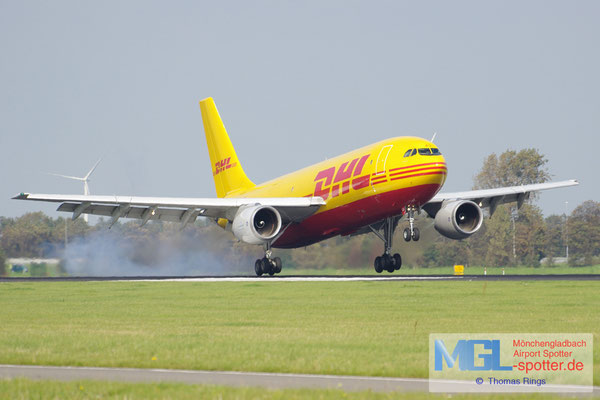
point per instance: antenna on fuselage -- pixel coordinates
(433, 137)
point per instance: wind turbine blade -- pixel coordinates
(92, 170)
(66, 176)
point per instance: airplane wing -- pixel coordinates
(492, 198)
(174, 209)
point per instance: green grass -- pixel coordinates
(353, 328)
(470, 270)
(28, 389)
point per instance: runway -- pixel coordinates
(311, 278)
(260, 379)
(228, 378)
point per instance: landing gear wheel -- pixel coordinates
(378, 264)
(397, 261)
(278, 265)
(258, 267)
(388, 262)
(416, 234)
(406, 235)
(267, 266)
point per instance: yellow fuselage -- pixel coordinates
(360, 188)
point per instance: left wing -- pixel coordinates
(492, 198)
(174, 209)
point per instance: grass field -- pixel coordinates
(352, 328)
(27, 389)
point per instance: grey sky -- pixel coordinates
(295, 82)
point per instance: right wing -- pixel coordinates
(494, 197)
(174, 209)
(491, 198)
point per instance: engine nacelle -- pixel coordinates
(256, 224)
(458, 219)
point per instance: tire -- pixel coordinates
(406, 235)
(388, 262)
(397, 261)
(258, 267)
(267, 267)
(278, 265)
(416, 234)
(377, 264)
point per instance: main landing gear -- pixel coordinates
(268, 264)
(387, 261)
(412, 232)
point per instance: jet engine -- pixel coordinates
(458, 219)
(256, 224)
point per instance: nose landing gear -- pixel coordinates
(412, 232)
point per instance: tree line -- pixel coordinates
(511, 237)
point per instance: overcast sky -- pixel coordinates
(295, 82)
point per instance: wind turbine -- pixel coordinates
(85, 180)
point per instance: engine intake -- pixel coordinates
(256, 224)
(458, 219)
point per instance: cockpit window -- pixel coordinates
(407, 154)
(430, 152)
(413, 152)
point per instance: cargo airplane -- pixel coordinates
(370, 189)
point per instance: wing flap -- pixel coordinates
(104, 210)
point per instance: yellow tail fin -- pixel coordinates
(229, 176)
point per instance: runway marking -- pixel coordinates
(309, 278)
(299, 279)
(268, 380)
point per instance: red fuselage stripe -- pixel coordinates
(421, 174)
(417, 170)
(417, 165)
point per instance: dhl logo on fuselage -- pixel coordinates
(222, 165)
(337, 181)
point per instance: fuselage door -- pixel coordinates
(380, 167)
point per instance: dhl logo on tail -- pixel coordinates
(222, 165)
